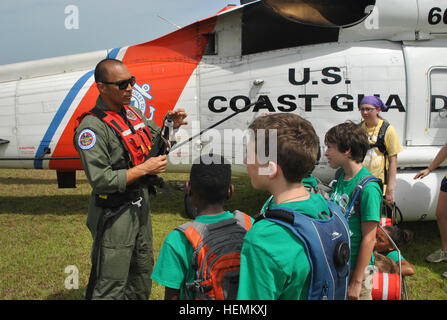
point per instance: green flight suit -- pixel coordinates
(125, 258)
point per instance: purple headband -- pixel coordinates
(374, 101)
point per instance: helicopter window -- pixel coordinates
(211, 48)
(438, 98)
(264, 30)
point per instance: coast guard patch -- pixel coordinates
(86, 139)
(131, 115)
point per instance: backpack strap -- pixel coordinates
(334, 208)
(279, 214)
(243, 219)
(380, 144)
(194, 231)
(356, 195)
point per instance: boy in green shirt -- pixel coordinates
(209, 186)
(347, 144)
(274, 264)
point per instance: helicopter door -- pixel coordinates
(426, 69)
(437, 120)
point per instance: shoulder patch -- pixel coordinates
(131, 115)
(86, 139)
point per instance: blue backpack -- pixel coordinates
(327, 245)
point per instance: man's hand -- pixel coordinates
(178, 116)
(153, 165)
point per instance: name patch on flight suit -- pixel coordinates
(86, 139)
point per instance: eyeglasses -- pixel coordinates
(367, 109)
(122, 84)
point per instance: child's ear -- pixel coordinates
(272, 169)
(230, 191)
(348, 153)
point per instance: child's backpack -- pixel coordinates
(380, 144)
(356, 196)
(216, 259)
(327, 245)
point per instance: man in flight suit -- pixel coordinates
(118, 214)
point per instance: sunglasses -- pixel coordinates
(122, 84)
(367, 109)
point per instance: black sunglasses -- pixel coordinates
(122, 84)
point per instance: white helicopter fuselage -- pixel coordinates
(220, 65)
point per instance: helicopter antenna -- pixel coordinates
(168, 21)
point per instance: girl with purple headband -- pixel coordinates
(381, 163)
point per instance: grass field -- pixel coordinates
(42, 232)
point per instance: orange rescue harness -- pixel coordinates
(134, 134)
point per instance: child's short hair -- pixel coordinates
(399, 236)
(349, 136)
(297, 143)
(210, 178)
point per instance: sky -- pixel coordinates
(37, 29)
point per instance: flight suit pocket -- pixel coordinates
(118, 245)
(115, 262)
(143, 257)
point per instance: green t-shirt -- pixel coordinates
(310, 181)
(394, 255)
(369, 208)
(274, 264)
(174, 264)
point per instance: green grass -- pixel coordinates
(42, 231)
(428, 282)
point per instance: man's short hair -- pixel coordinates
(349, 136)
(210, 178)
(297, 143)
(101, 73)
